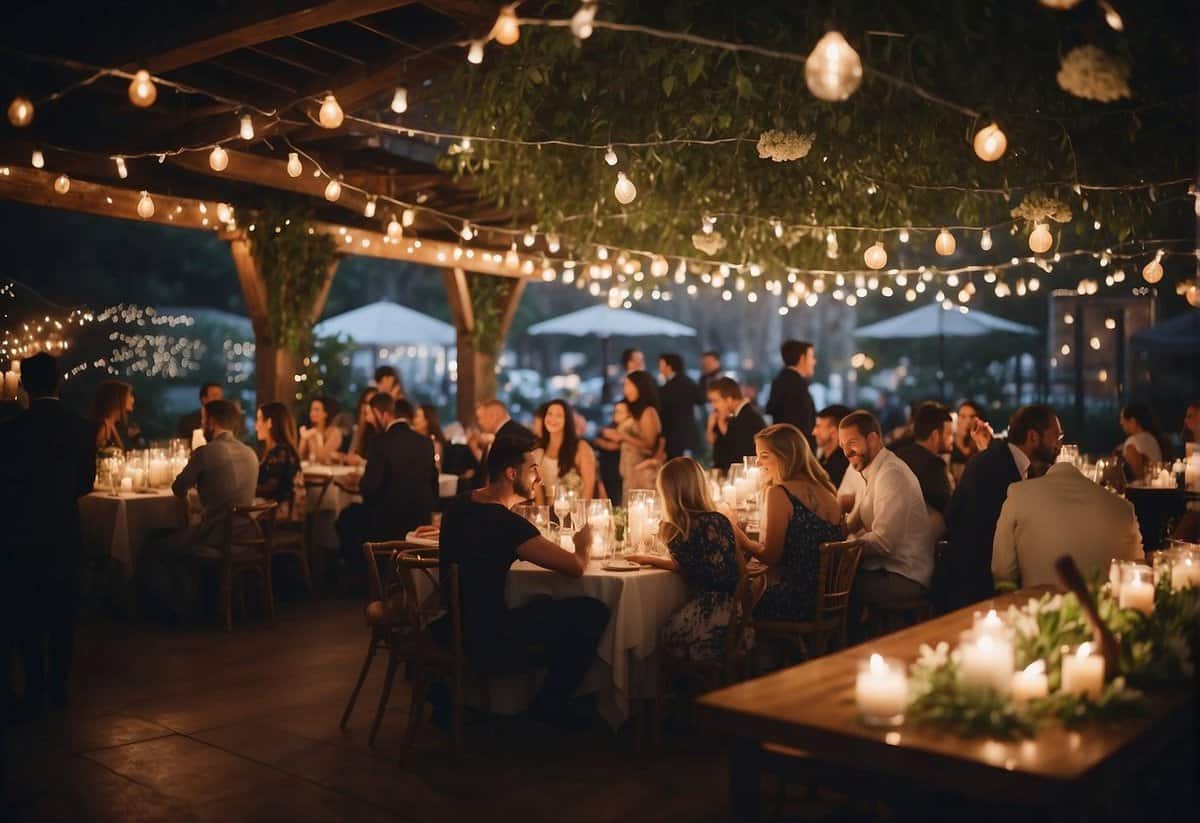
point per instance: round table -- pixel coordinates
(117, 524)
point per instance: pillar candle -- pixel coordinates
(881, 690)
(638, 518)
(987, 662)
(1083, 672)
(1185, 571)
(1137, 593)
(126, 484)
(1031, 683)
(729, 494)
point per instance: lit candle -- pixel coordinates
(1083, 672)
(1114, 577)
(987, 662)
(638, 519)
(126, 484)
(744, 487)
(198, 438)
(159, 472)
(754, 475)
(990, 623)
(599, 546)
(881, 691)
(1185, 571)
(1137, 588)
(137, 475)
(1031, 683)
(729, 494)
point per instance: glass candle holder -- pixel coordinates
(1137, 588)
(1031, 683)
(881, 691)
(1082, 670)
(1185, 569)
(986, 661)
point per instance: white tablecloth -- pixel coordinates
(334, 501)
(119, 524)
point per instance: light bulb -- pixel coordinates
(62, 184)
(990, 143)
(145, 206)
(1192, 295)
(20, 112)
(218, 160)
(224, 212)
(1040, 239)
(408, 217)
(511, 258)
(247, 128)
(369, 208)
(610, 157)
(466, 233)
(475, 53)
(875, 256)
(833, 70)
(552, 244)
(122, 172)
(294, 168)
(1153, 271)
(394, 229)
(624, 190)
(507, 30)
(985, 240)
(330, 115)
(903, 235)
(529, 239)
(659, 266)
(400, 100)
(945, 244)
(582, 20)
(1111, 17)
(142, 91)
(333, 191)
(36, 159)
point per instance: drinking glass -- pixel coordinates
(562, 503)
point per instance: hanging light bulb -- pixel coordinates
(552, 244)
(875, 256)
(465, 233)
(985, 240)
(507, 30)
(990, 143)
(511, 258)
(333, 190)
(224, 212)
(582, 20)
(330, 116)
(1040, 239)
(624, 190)
(400, 100)
(529, 239)
(903, 235)
(218, 159)
(122, 172)
(62, 184)
(394, 228)
(145, 206)
(610, 156)
(1111, 17)
(1192, 295)
(369, 208)
(831, 244)
(1153, 271)
(659, 266)
(945, 244)
(36, 159)
(294, 168)
(408, 217)
(142, 91)
(246, 129)
(833, 70)
(20, 112)
(475, 52)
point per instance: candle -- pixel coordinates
(126, 484)
(638, 519)
(987, 662)
(754, 475)
(729, 494)
(1137, 588)
(881, 691)
(136, 475)
(1114, 577)
(990, 623)
(1083, 672)
(1031, 683)
(744, 488)
(158, 472)
(599, 546)
(1185, 571)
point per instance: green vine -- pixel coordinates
(489, 295)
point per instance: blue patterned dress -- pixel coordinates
(794, 594)
(708, 562)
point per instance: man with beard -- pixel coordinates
(484, 538)
(1034, 435)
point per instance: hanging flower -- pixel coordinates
(782, 146)
(1092, 74)
(1038, 208)
(710, 244)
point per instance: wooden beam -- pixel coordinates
(468, 12)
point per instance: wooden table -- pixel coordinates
(811, 707)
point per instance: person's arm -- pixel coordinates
(585, 459)
(888, 522)
(1004, 546)
(655, 560)
(1136, 461)
(331, 441)
(935, 486)
(774, 526)
(649, 429)
(541, 552)
(190, 475)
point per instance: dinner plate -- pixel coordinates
(620, 566)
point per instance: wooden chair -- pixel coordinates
(827, 627)
(240, 554)
(295, 536)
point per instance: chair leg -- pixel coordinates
(362, 676)
(306, 570)
(393, 664)
(227, 597)
(420, 687)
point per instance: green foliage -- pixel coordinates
(294, 264)
(488, 297)
(326, 371)
(943, 703)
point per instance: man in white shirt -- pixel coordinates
(890, 518)
(1061, 513)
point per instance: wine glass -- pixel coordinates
(562, 504)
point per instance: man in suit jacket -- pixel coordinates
(790, 401)
(49, 463)
(1062, 512)
(829, 451)
(400, 484)
(679, 397)
(735, 423)
(1034, 433)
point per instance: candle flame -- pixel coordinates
(878, 666)
(1085, 650)
(1036, 667)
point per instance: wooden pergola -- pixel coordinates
(276, 56)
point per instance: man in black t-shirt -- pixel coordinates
(482, 536)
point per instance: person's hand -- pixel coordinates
(353, 459)
(306, 432)
(427, 532)
(640, 559)
(583, 539)
(610, 434)
(981, 435)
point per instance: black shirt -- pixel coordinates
(790, 402)
(835, 465)
(482, 538)
(930, 471)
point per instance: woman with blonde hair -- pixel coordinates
(703, 546)
(802, 512)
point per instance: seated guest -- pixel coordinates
(703, 546)
(225, 473)
(971, 436)
(111, 408)
(1062, 512)
(802, 512)
(364, 427)
(1034, 433)
(484, 538)
(932, 437)
(425, 422)
(276, 430)
(494, 423)
(191, 421)
(387, 381)
(825, 434)
(1144, 443)
(608, 453)
(321, 440)
(1190, 433)
(897, 561)
(733, 423)
(564, 454)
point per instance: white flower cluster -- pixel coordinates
(1092, 74)
(1038, 208)
(710, 244)
(782, 146)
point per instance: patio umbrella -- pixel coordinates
(387, 324)
(606, 323)
(1179, 335)
(935, 321)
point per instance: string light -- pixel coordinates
(1153, 271)
(330, 115)
(475, 52)
(945, 244)
(552, 243)
(369, 208)
(400, 100)
(62, 184)
(990, 143)
(294, 168)
(145, 206)
(876, 256)
(624, 190)
(1040, 239)
(466, 233)
(408, 217)
(247, 128)
(333, 191)
(833, 71)
(507, 30)
(1111, 17)
(142, 91)
(394, 229)
(224, 212)
(37, 160)
(985, 240)
(583, 19)
(20, 112)
(218, 159)
(122, 172)
(903, 235)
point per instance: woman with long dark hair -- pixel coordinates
(566, 459)
(639, 436)
(275, 428)
(426, 422)
(1144, 443)
(364, 427)
(321, 439)
(111, 408)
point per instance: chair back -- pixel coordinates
(258, 518)
(740, 615)
(839, 564)
(315, 488)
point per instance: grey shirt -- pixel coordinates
(225, 473)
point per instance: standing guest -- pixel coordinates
(972, 434)
(364, 427)
(923, 452)
(733, 423)
(563, 454)
(710, 370)
(494, 423)
(484, 538)
(790, 401)
(321, 440)
(387, 380)
(224, 472)
(111, 408)
(802, 512)
(608, 454)
(192, 421)
(702, 544)
(897, 561)
(1190, 433)
(640, 435)
(1062, 512)
(679, 396)
(275, 428)
(1144, 443)
(49, 463)
(829, 453)
(1034, 433)
(633, 360)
